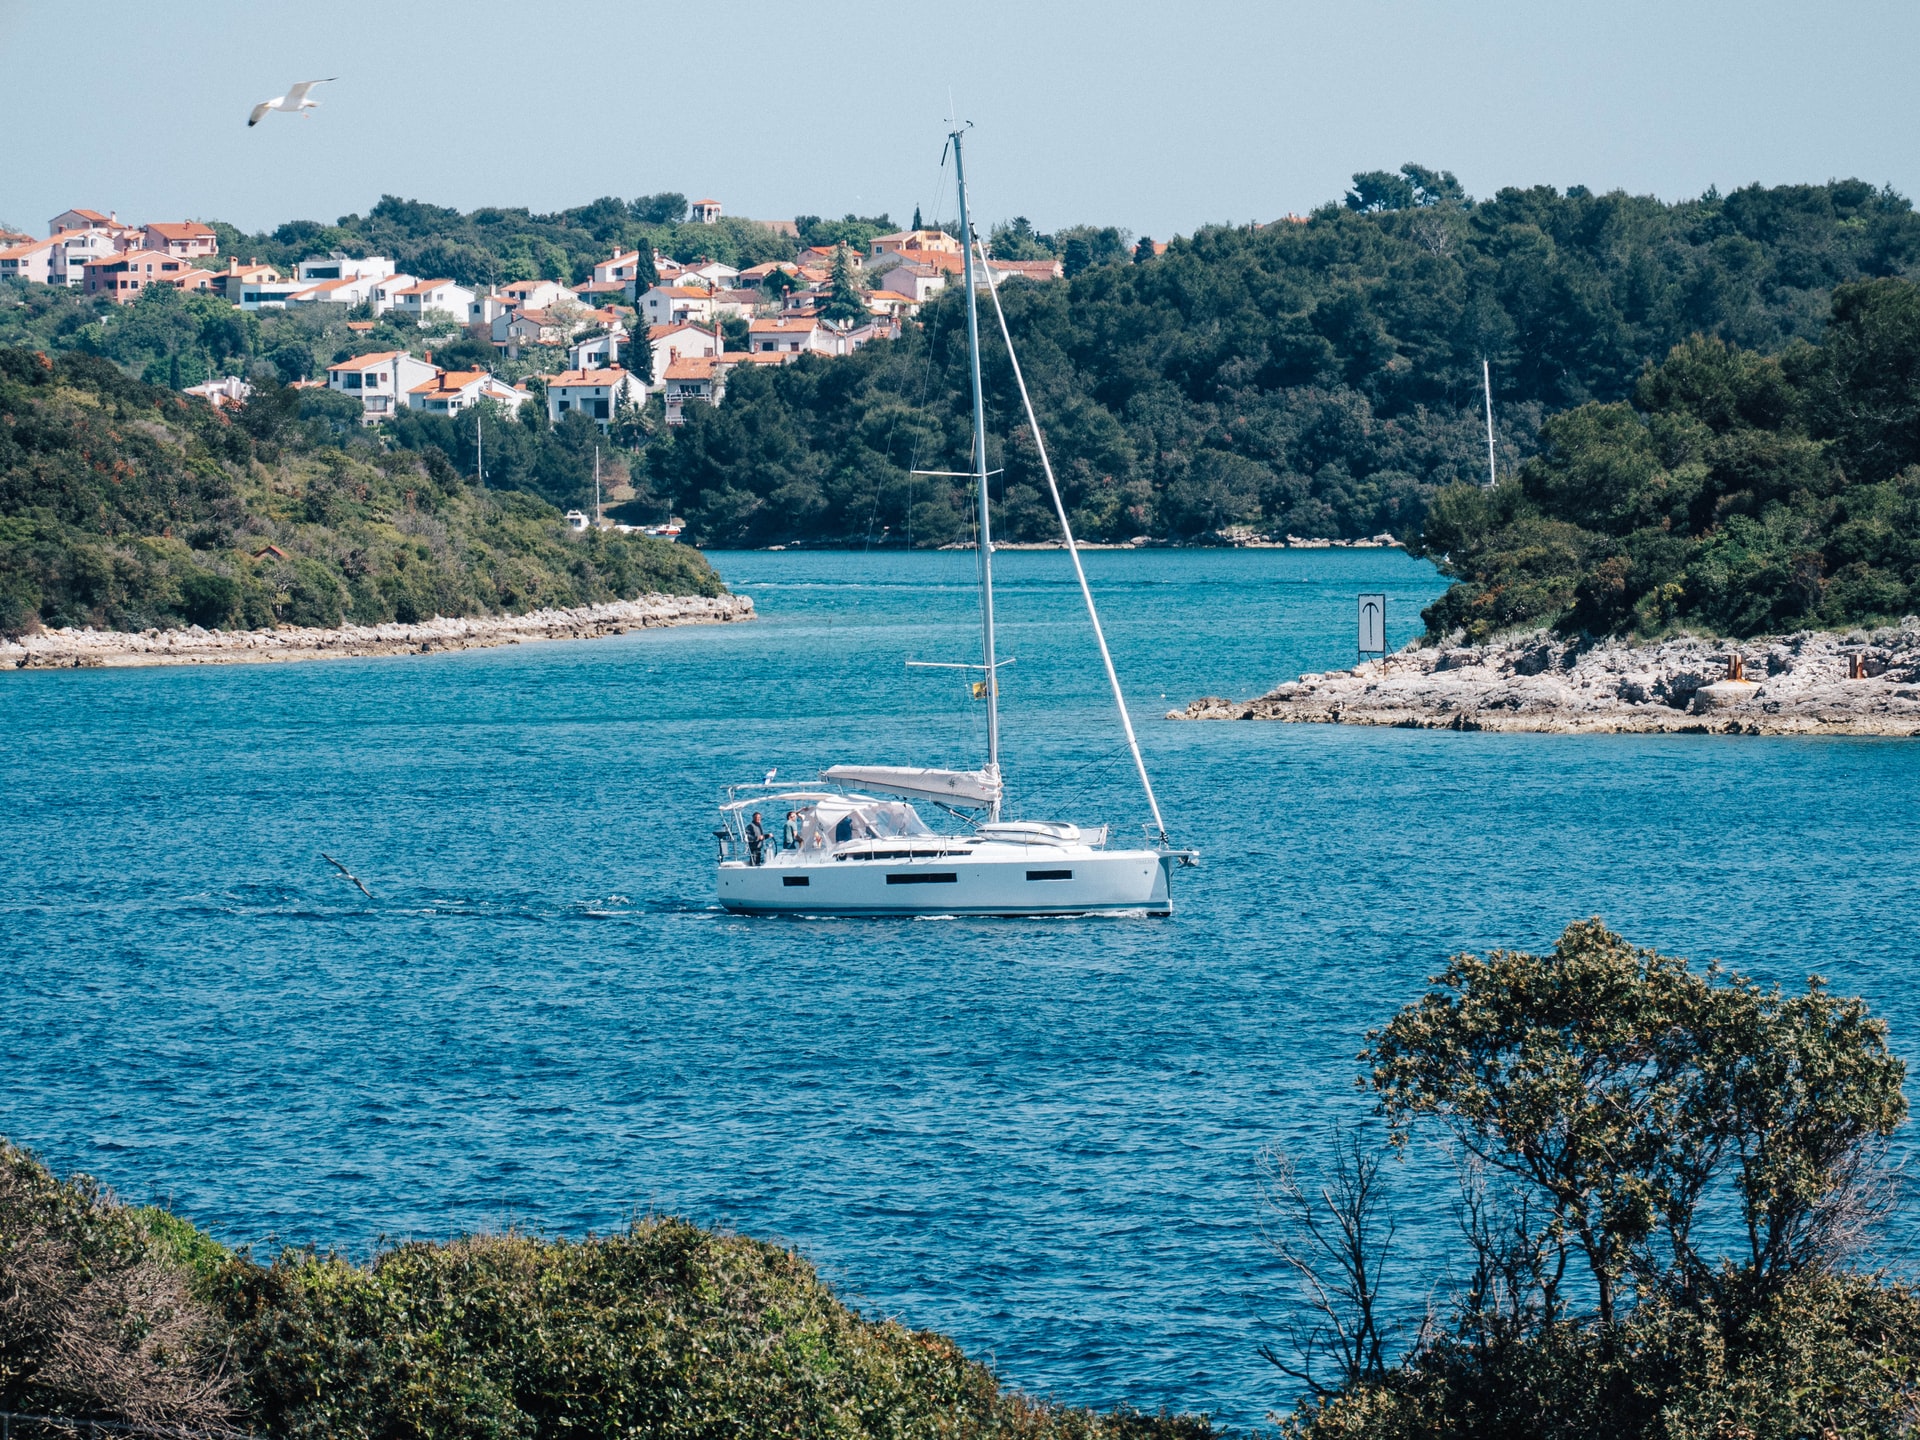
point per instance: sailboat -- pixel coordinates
(855, 844)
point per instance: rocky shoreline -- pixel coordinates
(1815, 683)
(85, 649)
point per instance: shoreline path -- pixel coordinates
(85, 649)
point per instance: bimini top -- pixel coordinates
(972, 788)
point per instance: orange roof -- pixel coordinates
(449, 380)
(694, 367)
(339, 284)
(660, 332)
(890, 295)
(20, 252)
(365, 362)
(183, 230)
(90, 215)
(686, 292)
(571, 379)
(784, 325)
(129, 256)
(423, 287)
(708, 201)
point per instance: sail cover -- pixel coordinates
(956, 787)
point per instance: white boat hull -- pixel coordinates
(989, 880)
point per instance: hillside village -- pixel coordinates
(574, 346)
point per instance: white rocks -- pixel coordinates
(1793, 685)
(63, 649)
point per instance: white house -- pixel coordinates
(340, 267)
(536, 294)
(597, 394)
(264, 292)
(915, 279)
(78, 248)
(598, 352)
(423, 301)
(703, 379)
(715, 275)
(343, 290)
(674, 304)
(622, 269)
(790, 335)
(891, 304)
(911, 244)
(452, 391)
(31, 261)
(380, 381)
(673, 342)
(383, 295)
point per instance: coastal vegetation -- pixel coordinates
(1732, 492)
(661, 1329)
(124, 506)
(1319, 377)
(1668, 1179)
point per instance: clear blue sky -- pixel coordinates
(1155, 116)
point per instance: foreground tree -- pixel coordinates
(1665, 1175)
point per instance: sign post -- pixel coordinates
(1373, 626)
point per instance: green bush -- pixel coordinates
(126, 507)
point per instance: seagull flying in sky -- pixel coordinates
(294, 100)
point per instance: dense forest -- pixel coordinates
(1319, 375)
(127, 507)
(1319, 378)
(1732, 492)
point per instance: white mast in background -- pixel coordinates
(1486, 381)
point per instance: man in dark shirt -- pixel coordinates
(756, 839)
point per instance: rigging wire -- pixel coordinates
(1073, 550)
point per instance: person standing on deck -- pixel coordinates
(790, 839)
(756, 840)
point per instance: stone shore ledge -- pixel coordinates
(1814, 683)
(83, 649)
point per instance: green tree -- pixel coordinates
(1622, 1087)
(845, 301)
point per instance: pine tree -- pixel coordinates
(844, 300)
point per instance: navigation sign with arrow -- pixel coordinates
(1373, 625)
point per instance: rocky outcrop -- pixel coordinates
(56, 649)
(1808, 684)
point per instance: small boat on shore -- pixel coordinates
(855, 843)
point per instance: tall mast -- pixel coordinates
(1486, 382)
(980, 477)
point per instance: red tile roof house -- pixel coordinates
(433, 297)
(673, 342)
(30, 261)
(704, 378)
(455, 390)
(189, 238)
(380, 381)
(597, 394)
(790, 336)
(121, 278)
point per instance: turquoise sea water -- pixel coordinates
(1038, 1136)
